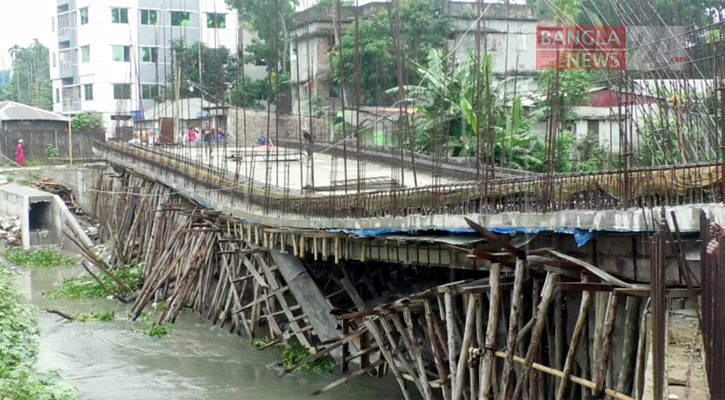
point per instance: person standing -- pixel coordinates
(208, 139)
(20, 153)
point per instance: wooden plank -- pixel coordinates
(677, 293)
(586, 287)
(595, 271)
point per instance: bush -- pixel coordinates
(19, 351)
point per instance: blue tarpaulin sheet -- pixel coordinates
(581, 236)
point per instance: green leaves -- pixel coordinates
(30, 83)
(424, 27)
(19, 350)
(88, 122)
(41, 258)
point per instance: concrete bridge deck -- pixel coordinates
(584, 202)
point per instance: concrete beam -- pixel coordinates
(626, 221)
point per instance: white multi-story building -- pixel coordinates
(110, 56)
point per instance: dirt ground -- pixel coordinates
(685, 353)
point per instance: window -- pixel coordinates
(57, 96)
(122, 91)
(55, 60)
(84, 15)
(216, 21)
(119, 15)
(88, 89)
(180, 18)
(593, 126)
(150, 92)
(52, 24)
(149, 17)
(85, 54)
(149, 54)
(122, 53)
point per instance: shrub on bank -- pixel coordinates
(19, 380)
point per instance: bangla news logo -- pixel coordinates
(601, 48)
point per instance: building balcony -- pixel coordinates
(71, 105)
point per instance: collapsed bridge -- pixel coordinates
(490, 274)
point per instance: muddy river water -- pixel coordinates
(112, 361)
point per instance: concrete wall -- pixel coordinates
(256, 126)
(81, 180)
(17, 200)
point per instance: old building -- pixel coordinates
(509, 33)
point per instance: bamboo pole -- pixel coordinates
(604, 353)
(513, 327)
(491, 328)
(575, 338)
(465, 344)
(546, 297)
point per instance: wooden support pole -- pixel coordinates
(575, 338)
(604, 353)
(513, 328)
(491, 329)
(546, 297)
(463, 359)
(440, 363)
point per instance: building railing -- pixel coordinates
(608, 190)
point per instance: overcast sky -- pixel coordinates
(21, 21)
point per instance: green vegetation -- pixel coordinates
(153, 328)
(85, 287)
(41, 258)
(19, 380)
(52, 151)
(104, 316)
(30, 83)
(424, 27)
(295, 352)
(88, 123)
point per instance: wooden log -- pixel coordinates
(416, 353)
(494, 306)
(639, 366)
(575, 338)
(440, 366)
(629, 346)
(451, 335)
(604, 353)
(546, 298)
(513, 328)
(465, 345)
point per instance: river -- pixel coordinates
(112, 361)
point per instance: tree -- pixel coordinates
(30, 83)
(271, 19)
(424, 27)
(573, 88)
(88, 122)
(219, 70)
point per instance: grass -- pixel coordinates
(85, 287)
(295, 352)
(19, 378)
(41, 258)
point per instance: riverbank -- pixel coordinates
(20, 378)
